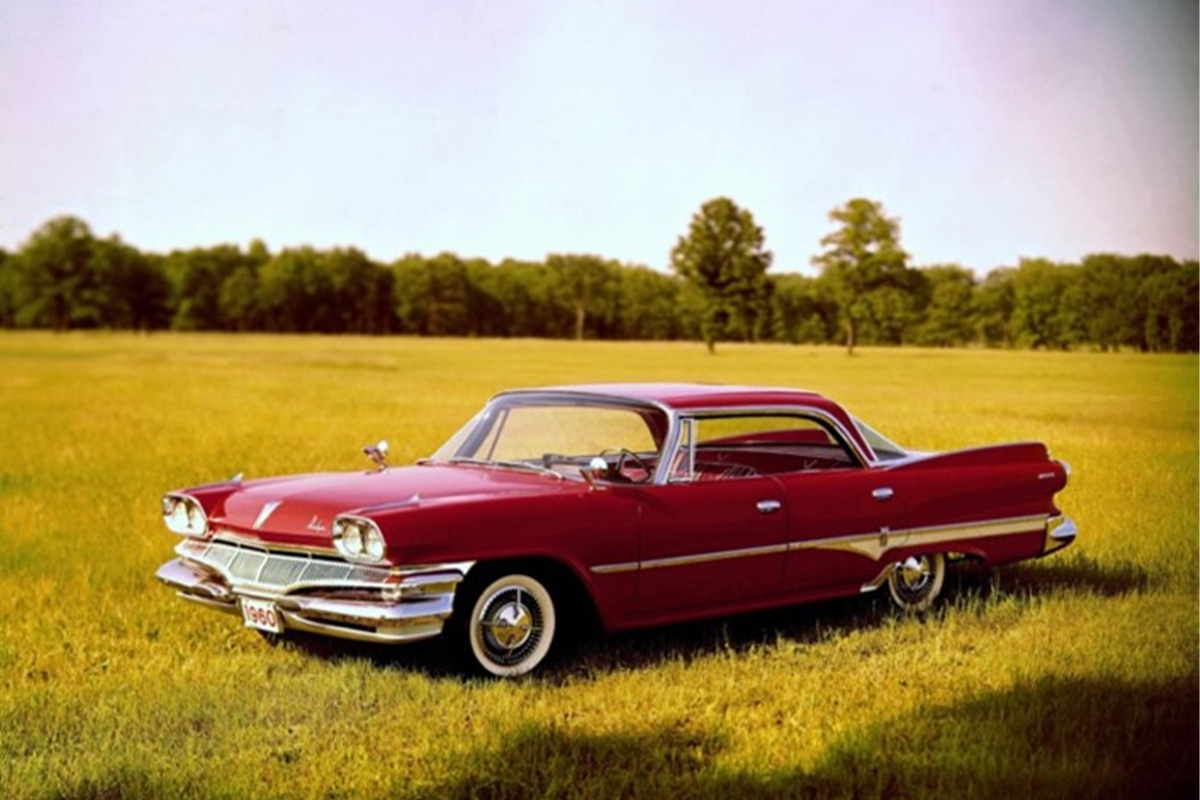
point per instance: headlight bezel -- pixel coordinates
(359, 539)
(184, 515)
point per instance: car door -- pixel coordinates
(710, 545)
(843, 524)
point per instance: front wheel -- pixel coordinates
(916, 582)
(511, 627)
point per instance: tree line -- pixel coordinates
(65, 277)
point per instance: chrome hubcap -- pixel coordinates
(511, 624)
(914, 573)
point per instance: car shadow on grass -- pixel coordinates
(588, 653)
(1057, 575)
(968, 585)
(1050, 737)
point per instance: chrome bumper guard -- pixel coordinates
(1060, 532)
(317, 594)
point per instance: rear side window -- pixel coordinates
(748, 445)
(749, 431)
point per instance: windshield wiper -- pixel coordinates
(525, 465)
(522, 465)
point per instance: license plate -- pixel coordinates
(261, 614)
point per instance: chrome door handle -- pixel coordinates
(883, 493)
(769, 506)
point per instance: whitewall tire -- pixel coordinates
(916, 582)
(512, 625)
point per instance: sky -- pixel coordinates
(992, 129)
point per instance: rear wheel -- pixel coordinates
(916, 582)
(511, 627)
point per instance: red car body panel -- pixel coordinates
(664, 550)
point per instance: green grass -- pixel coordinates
(1075, 676)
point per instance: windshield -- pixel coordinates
(885, 449)
(565, 435)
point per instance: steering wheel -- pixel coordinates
(617, 470)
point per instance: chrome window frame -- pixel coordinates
(681, 419)
(563, 397)
(677, 419)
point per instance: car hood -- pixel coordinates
(301, 509)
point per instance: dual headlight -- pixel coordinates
(358, 539)
(183, 515)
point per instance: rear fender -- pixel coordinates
(979, 485)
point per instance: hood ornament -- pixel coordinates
(378, 453)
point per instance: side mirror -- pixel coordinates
(596, 469)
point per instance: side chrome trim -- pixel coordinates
(697, 558)
(879, 580)
(873, 545)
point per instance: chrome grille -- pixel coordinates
(241, 564)
(280, 572)
(247, 565)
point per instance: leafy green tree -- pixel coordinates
(801, 310)
(891, 312)
(197, 279)
(8, 303)
(489, 312)
(946, 319)
(55, 278)
(132, 290)
(865, 269)
(722, 257)
(1047, 304)
(524, 291)
(992, 305)
(435, 297)
(587, 283)
(648, 306)
(361, 290)
(296, 293)
(1171, 296)
(1112, 296)
(241, 306)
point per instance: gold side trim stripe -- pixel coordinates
(872, 545)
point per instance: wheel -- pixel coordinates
(511, 627)
(916, 582)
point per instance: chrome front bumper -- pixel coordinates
(316, 594)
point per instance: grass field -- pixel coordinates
(1075, 676)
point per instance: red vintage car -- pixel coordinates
(633, 504)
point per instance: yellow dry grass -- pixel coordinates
(1074, 676)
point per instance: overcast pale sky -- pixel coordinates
(994, 129)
